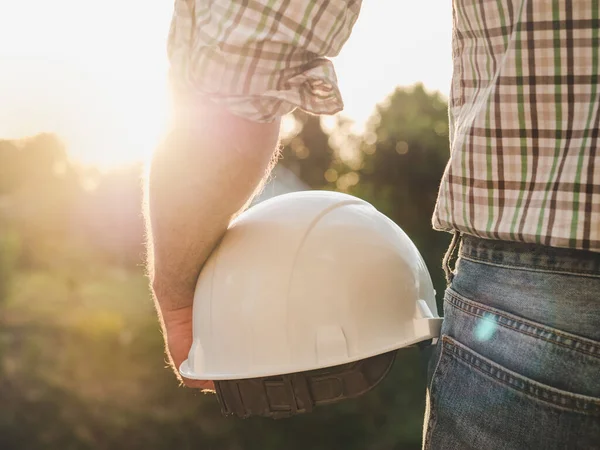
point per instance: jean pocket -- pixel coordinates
(475, 403)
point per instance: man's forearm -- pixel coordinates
(200, 178)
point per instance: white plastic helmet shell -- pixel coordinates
(304, 281)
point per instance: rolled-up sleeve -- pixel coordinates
(260, 59)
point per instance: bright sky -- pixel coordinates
(95, 72)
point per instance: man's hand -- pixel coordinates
(206, 171)
(178, 337)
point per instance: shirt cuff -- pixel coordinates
(261, 62)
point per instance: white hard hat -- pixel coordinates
(305, 281)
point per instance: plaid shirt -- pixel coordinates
(524, 102)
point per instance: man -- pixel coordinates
(519, 360)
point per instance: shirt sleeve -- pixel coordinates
(261, 59)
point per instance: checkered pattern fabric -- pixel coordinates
(524, 102)
(261, 58)
(524, 120)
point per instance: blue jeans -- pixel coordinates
(518, 363)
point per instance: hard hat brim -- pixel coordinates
(428, 328)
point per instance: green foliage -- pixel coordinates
(308, 154)
(9, 255)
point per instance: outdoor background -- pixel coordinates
(81, 355)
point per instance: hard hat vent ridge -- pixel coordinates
(329, 340)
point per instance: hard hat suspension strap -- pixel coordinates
(287, 395)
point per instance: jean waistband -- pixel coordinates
(529, 256)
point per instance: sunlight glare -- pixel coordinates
(95, 74)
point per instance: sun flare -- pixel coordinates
(95, 74)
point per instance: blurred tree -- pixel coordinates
(308, 154)
(109, 215)
(10, 244)
(43, 194)
(10, 170)
(404, 152)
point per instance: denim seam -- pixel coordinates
(437, 365)
(455, 298)
(563, 400)
(440, 372)
(531, 268)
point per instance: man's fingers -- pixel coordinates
(178, 355)
(199, 384)
(179, 338)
